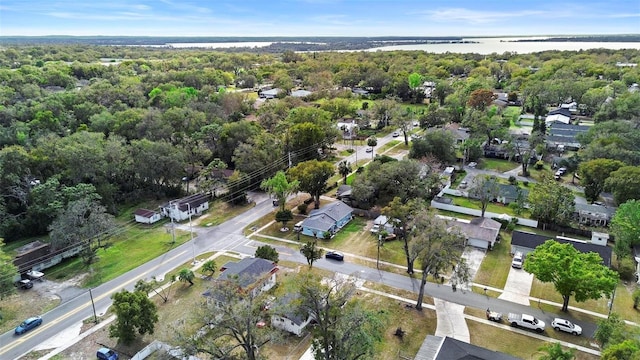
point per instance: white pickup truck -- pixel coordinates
(526, 321)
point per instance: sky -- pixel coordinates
(318, 17)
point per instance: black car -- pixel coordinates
(334, 255)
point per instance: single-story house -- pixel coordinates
(360, 91)
(636, 256)
(508, 193)
(446, 348)
(526, 242)
(343, 193)
(560, 135)
(301, 93)
(146, 216)
(328, 219)
(348, 127)
(382, 223)
(594, 215)
(254, 274)
(480, 232)
(269, 94)
(285, 316)
(557, 117)
(572, 106)
(186, 207)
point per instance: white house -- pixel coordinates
(636, 255)
(182, 209)
(285, 317)
(269, 94)
(145, 216)
(382, 223)
(557, 117)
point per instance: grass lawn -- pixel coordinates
(219, 212)
(622, 303)
(498, 165)
(492, 207)
(388, 146)
(527, 347)
(496, 264)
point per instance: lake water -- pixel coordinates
(481, 46)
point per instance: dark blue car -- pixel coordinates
(28, 324)
(107, 354)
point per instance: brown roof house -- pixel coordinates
(145, 216)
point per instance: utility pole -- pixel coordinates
(173, 229)
(95, 318)
(193, 245)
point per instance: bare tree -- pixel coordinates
(438, 247)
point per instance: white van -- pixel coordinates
(517, 261)
(297, 227)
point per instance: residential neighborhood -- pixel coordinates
(219, 205)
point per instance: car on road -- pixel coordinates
(334, 255)
(106, 354)
(567, 326)
(369, 149)
(28, 324)
(395, 134)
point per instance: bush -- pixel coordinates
(302, 208)
(512, 180)
(309, 200)
(626, 268)
(539, 165)
(525, 183)
(636, 298)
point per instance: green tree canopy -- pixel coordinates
(280, 187)
(551, 202)
(593, 174)
(135, 313)
(624, 183)
(312, 176)
(267, 252)
(581, 275)
(625, 225)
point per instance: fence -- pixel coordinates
(478, 213)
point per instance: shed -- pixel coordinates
(145, 216)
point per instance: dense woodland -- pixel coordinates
(116, 125)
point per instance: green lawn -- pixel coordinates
(492, 207)
(496, 264)
(622, 303)
(498, 165)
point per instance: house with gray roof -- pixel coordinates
(508, 193)
(594, 215)
(185, 208)
(327, 220)
(526, 242)
(446, 348)
(253, 274)
(285, 315)
(480, 232)
(301, 93)
(564, 136)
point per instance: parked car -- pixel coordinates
(526, 321)
(24, 284)
(334, 255)
(369, 149)
(28, 324)
(395, 134)
(517, 261)
(566, 326)
(106, 354)
(494, 316)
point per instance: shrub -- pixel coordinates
(512, 180)
(525, 183)
(626, 268)
(636, 298)
(302, 208)
(539, 165)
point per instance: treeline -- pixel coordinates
(121, 124)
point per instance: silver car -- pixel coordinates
(566, 326)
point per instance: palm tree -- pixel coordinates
(344, 168)
(186, 275)
(209, 267)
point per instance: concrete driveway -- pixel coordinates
(518, 287)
